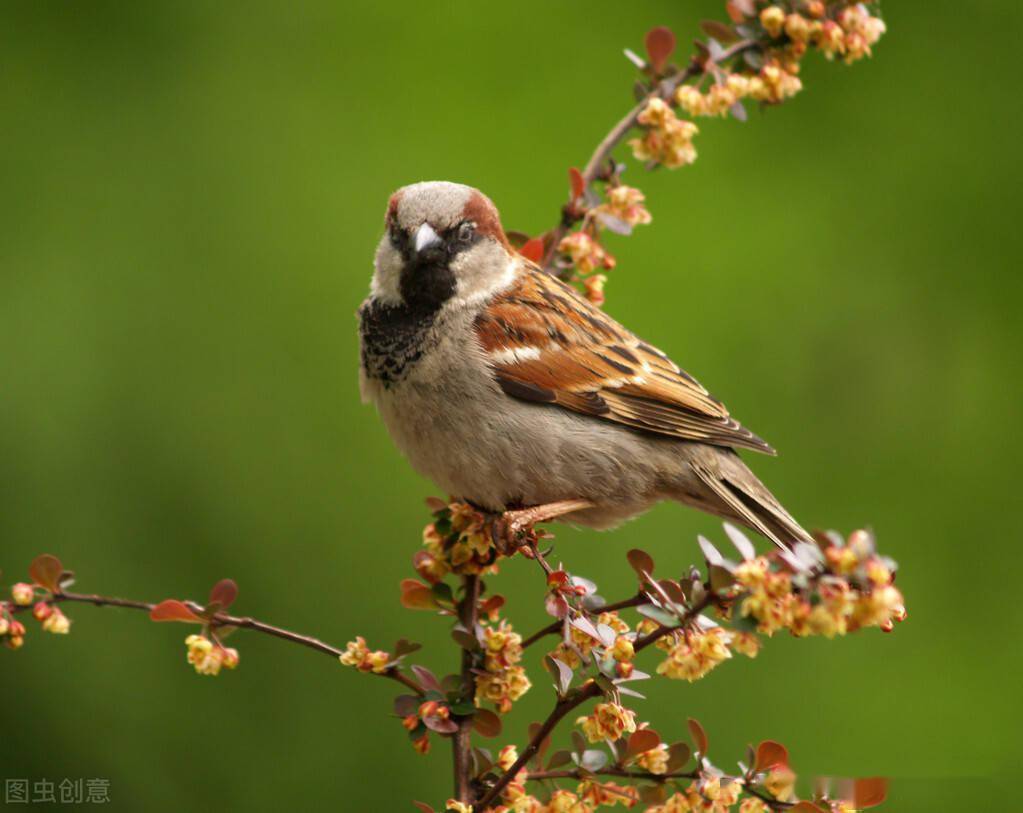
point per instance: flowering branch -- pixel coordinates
(832, 588)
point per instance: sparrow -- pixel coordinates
(515, 394)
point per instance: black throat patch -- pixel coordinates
(394, 337)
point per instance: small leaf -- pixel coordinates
(427, 679)
(46, 571)
(699, 736)
(224, 593)
(441, 725)
(720, 31)
(465, 639)
(583, 624)
(593, 760)
(416, 595)
(636, 60)
(712, 554)
(653, 794)
(678, 756)
(740, 541)
(643, 740)
(735, 11)
(769, 754)
(869, 792)
(442, 593)
(486, 723)
(641, 561)
(423, 807)
(559, 758)
(532, 249)
(405, 647)
(660, 43)
(738, 111)
(406, 704)
(174, 610)
(561, 672)
(662, 617)
(753, 58)
(576, 183)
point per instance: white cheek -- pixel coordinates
(483, 272)
(386, 284)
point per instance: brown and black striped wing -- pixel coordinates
(549, 345)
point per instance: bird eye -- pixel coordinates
(466, 231)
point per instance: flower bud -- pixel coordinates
(22, 593)
(42, 611)
(772, 19)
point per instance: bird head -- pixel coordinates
(443, 243)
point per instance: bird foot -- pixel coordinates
(510, 530)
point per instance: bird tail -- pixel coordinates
(739, 495)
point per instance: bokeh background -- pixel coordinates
(193, 192)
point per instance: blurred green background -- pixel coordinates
(193, 195)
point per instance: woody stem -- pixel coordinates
(468, 610)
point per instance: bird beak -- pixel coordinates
(425, 238)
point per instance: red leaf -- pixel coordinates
(423, 807)
(770, 753)
(224, 593)
(740, 10)
(486, 723)
(869, 792)
(660, 42)
(45, 571)
(641, 561)
(174, 610)
(643, 740)
(533, 249)
(578, 185)
(699, 736)
(416, 595)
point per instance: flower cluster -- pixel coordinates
(457, 541)
(501, 680)
(48, 614)
(208, 657)
(585, 642)
(360, 656)
(608, 721)
(850, 586)
(693, 653)
(667, 139)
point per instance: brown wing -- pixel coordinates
(549, 345)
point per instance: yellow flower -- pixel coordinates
(56, 622)
(689, 98)
(780, 782)
(753, 805)
(458, 807)
(502, 688)
(675, 804)
(502, 647)
(357, 654)
(655, 760)
(626, 204)
(695, 653)
(208, 657)
(667, 140)
(772, 19)
(507, 757)
(22, 593)
(564, 801)
(5, 626)
(797, 27)
(609, 721)
(623, 650)
(746, 643)
(587, 254)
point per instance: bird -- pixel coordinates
(515, 394)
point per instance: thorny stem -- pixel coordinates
(556, 627)
(224, 620)
(586, 692)
(468, 610)
(664, 90)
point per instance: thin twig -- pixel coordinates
(224, 620)
(602, 153)
(580, 774)
(556, 627)
(468, 609)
